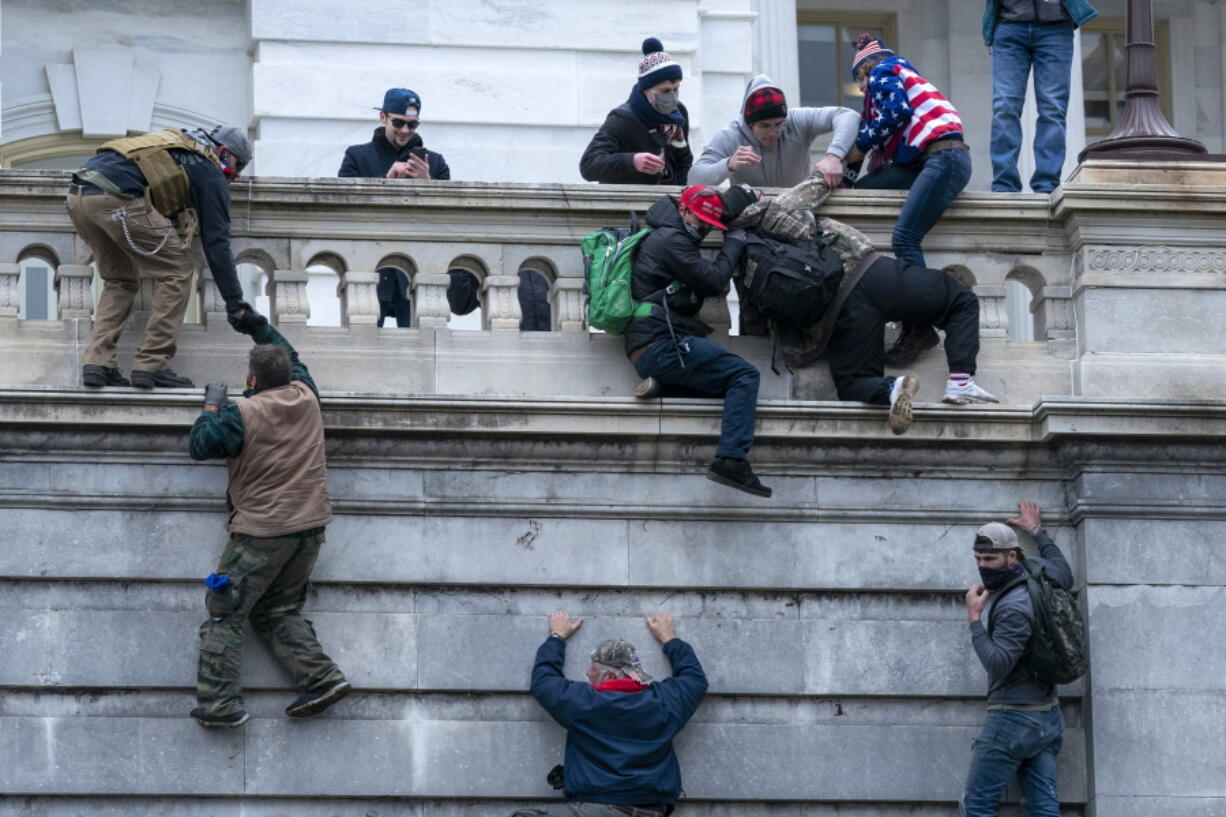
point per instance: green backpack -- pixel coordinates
(1058, 650)
(608, 265)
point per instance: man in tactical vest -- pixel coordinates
(273, 440)
(1024, 727)
(137, 203)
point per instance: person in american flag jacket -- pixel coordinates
(910, 139)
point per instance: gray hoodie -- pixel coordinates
(786, 163)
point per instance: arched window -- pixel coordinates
(36, 288)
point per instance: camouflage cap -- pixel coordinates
(621, 655)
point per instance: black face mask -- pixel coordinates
(698, 233)
(995, 578)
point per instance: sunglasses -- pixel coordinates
(401, 124)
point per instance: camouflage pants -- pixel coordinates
(269, 579)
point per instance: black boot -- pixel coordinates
(317, 700)
(166, 378)
(96, 376)
(736, 474)
(913, 341)
(231, 721)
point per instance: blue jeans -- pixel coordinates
(712, 370)
(1015, 48)
(1019, 743)
(933, 187)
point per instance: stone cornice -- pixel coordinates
(791, 422)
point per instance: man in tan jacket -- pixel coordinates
(273, 440)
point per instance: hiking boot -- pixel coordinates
(736, 474)
(902, 392)
(647, 388)
(968, 392)
(317, 700)
(96, 376)
(142, 379)
(231, 721)
(912, 342)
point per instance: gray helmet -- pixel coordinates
(235, 139)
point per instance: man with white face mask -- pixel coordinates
(645, 140)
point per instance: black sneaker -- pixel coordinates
(317, 700)
(166, 378)
(96, 376)
(736, 474)
(231, 721)
(912, 342)
(647, 388)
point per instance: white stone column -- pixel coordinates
(10, 295)
(993, 319)
(430, 299)
(73, 292)
(776, 52)
(359, 301)
(502, 302)
(567, 305)
(212, 305)
(287, 296)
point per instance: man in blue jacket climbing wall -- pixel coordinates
(620, 724)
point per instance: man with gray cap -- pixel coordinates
(1024, 728)
(619, 725)
(395, 151)
(137, 203)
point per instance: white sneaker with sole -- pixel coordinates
(902, 392)
(969, 392)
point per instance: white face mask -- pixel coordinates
(665, 102)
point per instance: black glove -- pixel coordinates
(215, 394)
(554, 778)
(244, 318)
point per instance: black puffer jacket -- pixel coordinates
(373, 159)
(670, 254)
(609, 158)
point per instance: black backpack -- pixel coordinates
(795, 280)
(1058, 650)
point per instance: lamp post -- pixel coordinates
(1142, 131)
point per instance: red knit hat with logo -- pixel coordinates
(704, 202)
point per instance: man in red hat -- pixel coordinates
(669, 347)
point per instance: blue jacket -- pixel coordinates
(619, 744)
(1080, 10)
(373, 159)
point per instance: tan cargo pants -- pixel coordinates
(149, 245)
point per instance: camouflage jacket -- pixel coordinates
(791, 213)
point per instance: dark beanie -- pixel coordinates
(736, 199)
(657, 65)
(765, 103)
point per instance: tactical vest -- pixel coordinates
(168, 190)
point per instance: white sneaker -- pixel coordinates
(969, 392)
(901, 393)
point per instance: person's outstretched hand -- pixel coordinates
(662, 627)
(561, 625)
(1029, 517)
(245, 319)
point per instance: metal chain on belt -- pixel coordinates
(121, 216)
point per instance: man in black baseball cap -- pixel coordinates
(396, 151)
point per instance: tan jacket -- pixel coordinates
(278, 482)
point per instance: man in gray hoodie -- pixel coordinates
(1024, 728)
(768, 146)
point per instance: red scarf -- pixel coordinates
(620, 685)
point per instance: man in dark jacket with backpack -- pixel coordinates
(620, 724)
(669, 347)
(1024, 728)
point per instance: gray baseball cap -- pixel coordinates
(996, 536)
(235, 139)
